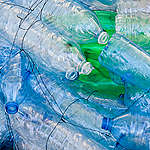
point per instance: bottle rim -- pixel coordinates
(72, 74)
(11, 107)
(103, 38)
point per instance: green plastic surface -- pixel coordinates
(99, 79)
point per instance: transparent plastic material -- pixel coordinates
(133, 21)
(53, 131)
(61, 98)
(72, 19)
(137, 100)
(130, 131)
(11, 84)
(126, 60)
(107, 5)
(49, 50)
(43, 106)
(75, 21)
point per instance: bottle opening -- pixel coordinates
(85, 68)
(103, 38)
(72, 74)
(106, 124)
(11, 107)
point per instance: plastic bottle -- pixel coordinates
(130, 131)
(61, 97)
(35, 121)
(47, 49)
(11, 84)
(107, 5)
(74, 20)
(133, 21)
(125, 59)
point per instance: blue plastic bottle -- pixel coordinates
(125, 59)
(130, 131)
(11, 83)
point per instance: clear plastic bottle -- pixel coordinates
(61, 97)
(11, 84)
(125, 59)
(47, 49)
(71, 18)
(130, 131)
(133, 21)
(35, 121)
(74, 20)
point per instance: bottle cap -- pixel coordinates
(106, 124)
(11, 107)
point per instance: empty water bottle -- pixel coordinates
(73, 20)
(133, 20)
(11, 84)
(125, 59)
(130, 131)
(47, 49)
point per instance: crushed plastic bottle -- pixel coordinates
(130, 131)
(73, 20)
(51, 52)
(52, 116)
(125, 59)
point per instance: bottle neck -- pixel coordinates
(11, 107)
(106, 124)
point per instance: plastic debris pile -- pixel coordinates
(74, 75)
